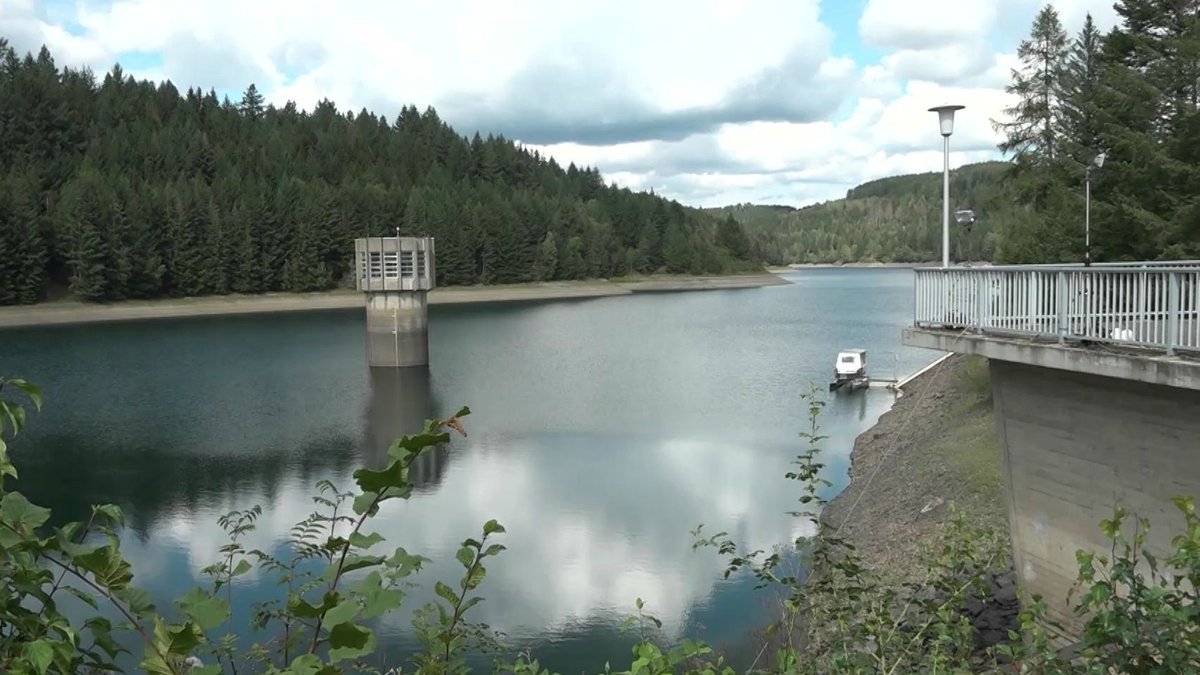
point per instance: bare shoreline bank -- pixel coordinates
(74, 312)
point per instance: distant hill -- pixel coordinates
(894, 219)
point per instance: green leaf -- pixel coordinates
(492, 526)
(168, 641)
(206, 610)
(112, 512)
(6, 465)
(15, 415)
(407, 446)
(405, 563)
(308, 664)
(394, 476)
(343, 612)
(301, 608)
(359, 540)
(358, 562)
(348, 641)
(465, 556)
(1187, 505)
(18, 512)
(494, 549)
(136, 599)
(446, 592)
(82, 595)
(242, 567)
(107, 567)
(471, 602)
(476, 577)
(40, 655)
(363, 502)
(29, 389)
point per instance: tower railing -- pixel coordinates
(1154, 305)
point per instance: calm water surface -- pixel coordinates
(602, 432)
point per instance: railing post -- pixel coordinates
(981, 300)
(1060, 306)
(1172, 312)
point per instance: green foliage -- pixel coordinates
(152, 193)
(1138, 605)
(896, 219)
(1132, 93)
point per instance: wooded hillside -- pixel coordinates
(125, 189)
(1132, 94)
(895, 219)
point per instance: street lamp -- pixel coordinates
(946, 122)
(1087, 208)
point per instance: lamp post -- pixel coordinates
(1087, 208)
(946, 123)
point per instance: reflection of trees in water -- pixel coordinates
(401, 400)
(152, 478)
(149, 481)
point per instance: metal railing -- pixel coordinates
(1153, 305)
(394, 263)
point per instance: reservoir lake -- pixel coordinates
(603, 431)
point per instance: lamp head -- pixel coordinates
(1099, 161)
(946, 117)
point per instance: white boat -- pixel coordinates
(850, 370)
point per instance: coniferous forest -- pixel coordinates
(1131, 93)
(113, 189)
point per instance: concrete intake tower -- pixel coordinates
(396, 273)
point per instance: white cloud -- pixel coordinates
(710, 102)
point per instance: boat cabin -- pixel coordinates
(851, 364)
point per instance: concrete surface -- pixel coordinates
(1131, 365)
(1075, 445)
(397, 329)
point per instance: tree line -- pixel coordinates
(1131, 93)
(127, 189)
(894, 219)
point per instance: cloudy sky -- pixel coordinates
(707, 101)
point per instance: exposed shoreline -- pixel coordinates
(937, 445)
(854, 265)
(67, 312)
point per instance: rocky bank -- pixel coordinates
(936, 447)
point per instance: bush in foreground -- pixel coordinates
(840, 618)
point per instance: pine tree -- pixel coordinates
(1081, 84)
(732, 237)
(1034, 132)
(23, 253)
(677, 249)
(546, 263)
(82, 217)
(252, 103)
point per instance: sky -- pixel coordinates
(710, 102)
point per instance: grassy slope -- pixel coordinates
(937, 447)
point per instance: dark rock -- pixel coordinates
(1006, 595)
(993, 637)
(973, 607)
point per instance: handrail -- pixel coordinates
(1152, 306)
(1080, 267)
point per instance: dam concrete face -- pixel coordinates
(395, 274)
(1073, 447)
(1083, 431)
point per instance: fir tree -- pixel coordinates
(1034, 132)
